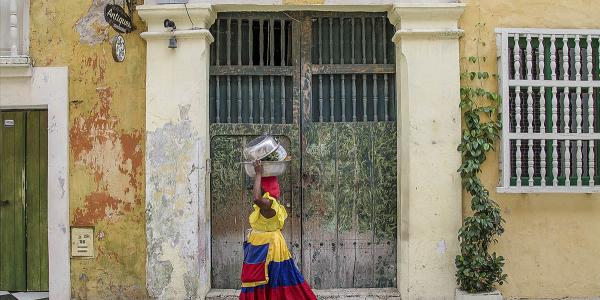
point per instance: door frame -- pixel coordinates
(47, 88)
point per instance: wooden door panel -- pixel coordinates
(231, 197)
(36, 196)
(12, 213)
(349, 205)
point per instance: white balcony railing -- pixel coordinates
(13, 32)
(550, 86)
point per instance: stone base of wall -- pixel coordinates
(333, 294)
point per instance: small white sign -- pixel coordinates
(82, 242)
(9, 123)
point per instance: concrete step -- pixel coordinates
(332, 294)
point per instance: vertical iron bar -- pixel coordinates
(218, 43)
(375, 97)
(364, 76)
(282, 41)
(250, 100)
(272, 41)
(353, 75)
(261, 94)
(261, 40)
(320, 76)
(239, 81)
(229, 42)
(272, 100)
(228, 99)
(283, 121)
(385, 76)
(262, 100)
(239, 42)
(331, 98)
(343, 96)
(218, 100)
(250, 41)
(250, 62)
(228, 76)
(239, 77)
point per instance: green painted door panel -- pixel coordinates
(36, 200)
(349, 205)
(12, 208)
(23, 219)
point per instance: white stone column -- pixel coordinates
(177, 151)
(429, 121)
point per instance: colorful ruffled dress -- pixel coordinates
(268, 271)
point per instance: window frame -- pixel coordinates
(507, 182)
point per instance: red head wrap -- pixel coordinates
(270, 185)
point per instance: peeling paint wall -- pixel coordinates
(551, 241)
(106, 141)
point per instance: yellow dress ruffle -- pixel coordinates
(260, 223)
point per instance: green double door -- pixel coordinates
(23, 201)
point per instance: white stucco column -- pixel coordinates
(429, 188)
(177, 150)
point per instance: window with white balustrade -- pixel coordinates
(550, 86)
(13, 28)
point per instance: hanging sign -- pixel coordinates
(118, 48)
(116, 16)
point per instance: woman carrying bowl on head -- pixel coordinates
(268, 270)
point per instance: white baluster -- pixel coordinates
(567, 110)
(567, 120)
(554, 111)
(517, 60)
(542, 110)
(517, 67)
(565, 54)
(588, 52)
(577, 59)
(518, 161)
(543, 162)
(541, 57)
(529, 65)
(14, 30)
(554, 162)
(530, 170)
(529, 57)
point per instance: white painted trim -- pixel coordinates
(427, 33)
(279, 7)
(548, 189)
(548, 31)
(180, 34)
(48, 88)
(553, 136)
(553, 83)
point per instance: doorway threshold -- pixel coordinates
(329, 294)
(23, 295)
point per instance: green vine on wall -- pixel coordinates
(477, 269)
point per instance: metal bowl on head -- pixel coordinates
(270, 168)
(260, 147)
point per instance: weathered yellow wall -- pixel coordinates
(106, 132)
(551, 241)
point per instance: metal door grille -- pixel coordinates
(251, 69)
(353, 68)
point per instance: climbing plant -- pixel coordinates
(478, 270)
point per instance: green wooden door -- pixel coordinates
(324, 83)
(23, 196)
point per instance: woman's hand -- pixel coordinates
(258, 168)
